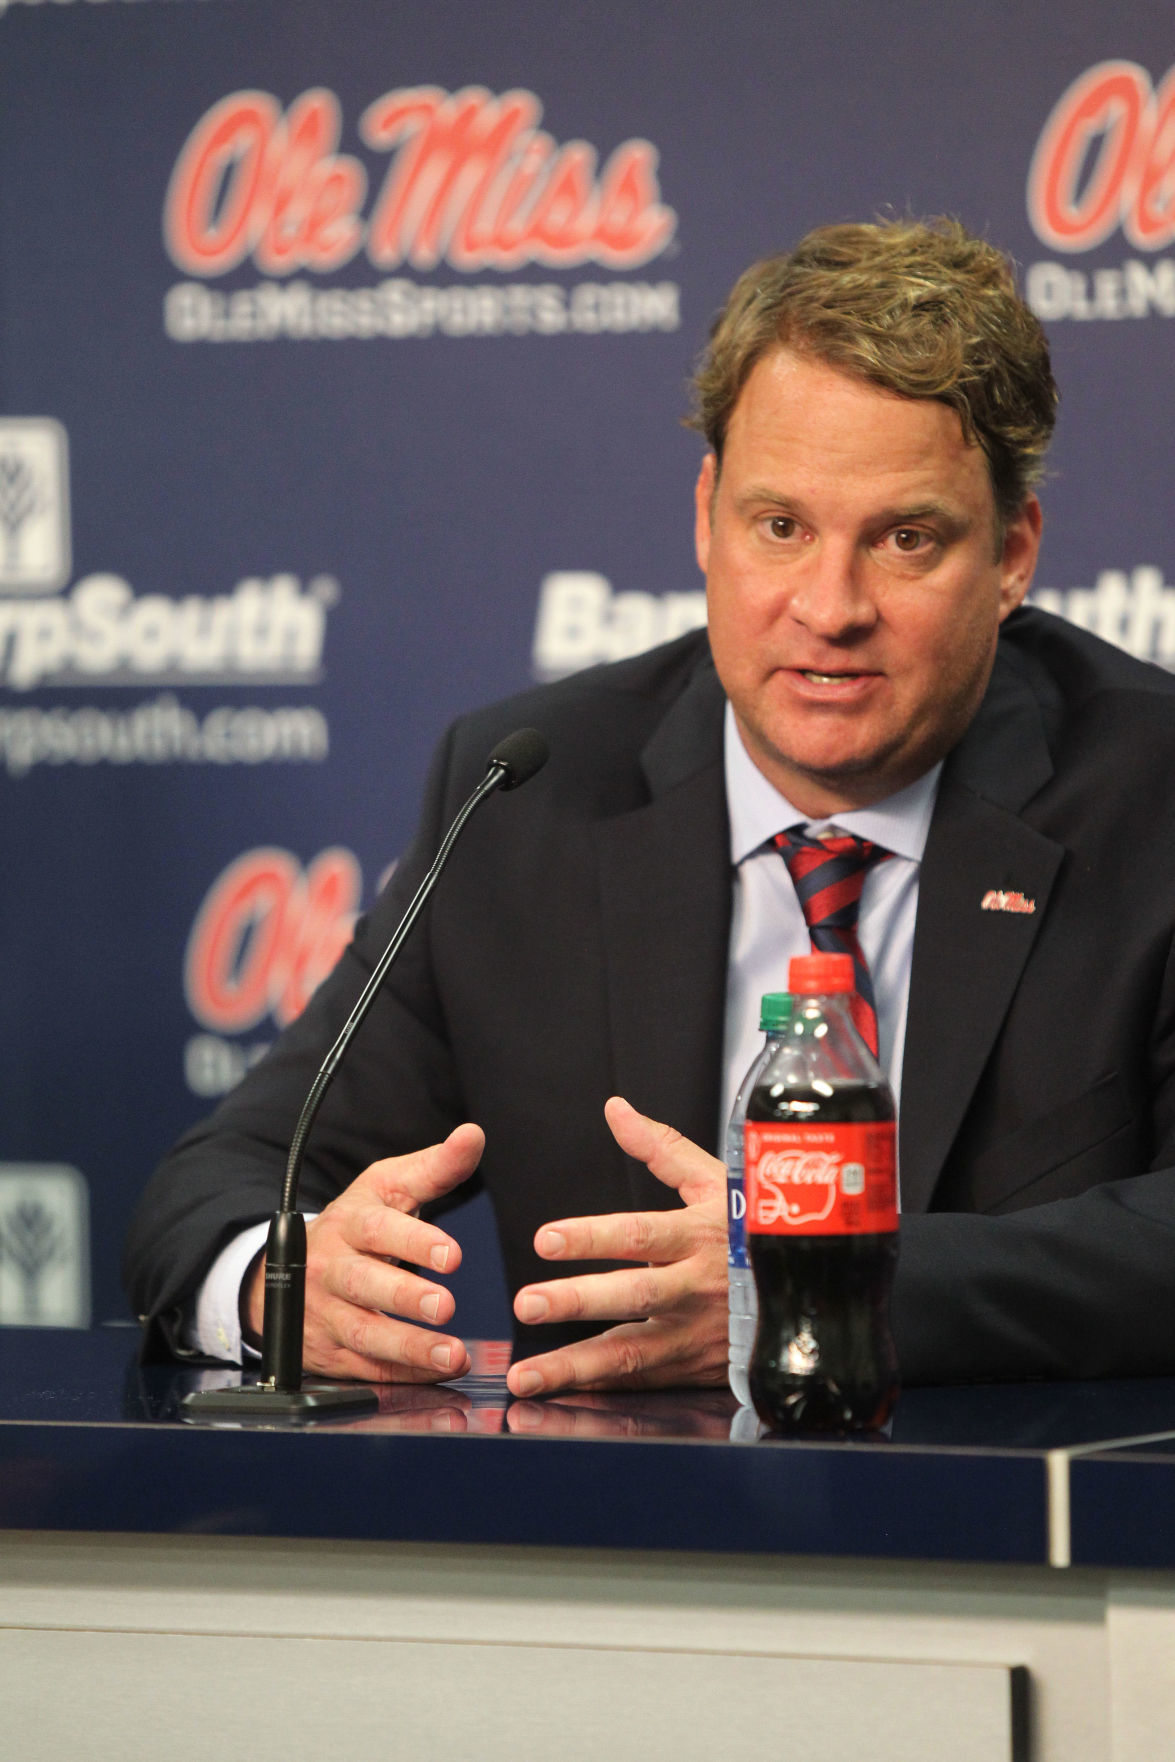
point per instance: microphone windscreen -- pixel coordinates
(520, 755)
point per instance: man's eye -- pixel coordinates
(782, 526)
(908, 538)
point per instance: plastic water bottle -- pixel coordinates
(774, 1016)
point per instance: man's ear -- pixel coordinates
(703, 498)
(1018, 558)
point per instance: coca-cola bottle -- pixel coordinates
(822, 1217)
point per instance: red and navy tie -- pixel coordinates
(828, 875)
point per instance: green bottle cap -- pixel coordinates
(775, 1011)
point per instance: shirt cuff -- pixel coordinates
(213, 1322)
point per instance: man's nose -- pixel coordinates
(831, 595)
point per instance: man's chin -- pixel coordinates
(838, 779)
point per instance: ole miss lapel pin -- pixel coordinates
(995, 900)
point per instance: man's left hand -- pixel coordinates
(671, 1308)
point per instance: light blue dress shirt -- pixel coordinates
(767, 925)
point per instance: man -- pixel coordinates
(877, 406)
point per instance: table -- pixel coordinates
(614, 1576)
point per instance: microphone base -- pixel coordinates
(261, 1402)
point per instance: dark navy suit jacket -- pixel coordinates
(577, 947)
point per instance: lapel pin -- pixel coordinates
(996, 901)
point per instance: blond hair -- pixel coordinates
(920, 308)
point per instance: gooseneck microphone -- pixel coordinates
(280, 1393)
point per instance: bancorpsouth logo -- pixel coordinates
(266, 630)
(472, 183)
(266, 934)
(34, 505)
(1132, 608)
(44, 1246)
(1104, 165)
(581, 620)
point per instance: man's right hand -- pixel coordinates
(358, 1300)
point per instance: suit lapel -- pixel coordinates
(665, 891)
(967, 961)
(664, 873)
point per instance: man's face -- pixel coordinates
(855, 592)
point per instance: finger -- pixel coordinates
(654, 1354)
(335, 1362)
(672, 1158)
(371, 1227)
(656, 1237)
(616, 1296)
(622, 1354)
(343, 1340)
(373, 1285)
(427, 1174)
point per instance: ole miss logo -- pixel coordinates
(471, 180)
(1106, 159)
(267, 934)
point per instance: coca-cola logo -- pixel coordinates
(268, 932)
(1106, 159)
(472, 181)
(796, 1186)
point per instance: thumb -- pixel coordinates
(427, 1174)
(673, 1159)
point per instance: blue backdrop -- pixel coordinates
(343, 350)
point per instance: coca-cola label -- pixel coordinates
(830, 1180)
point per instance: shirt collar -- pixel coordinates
(758, 810)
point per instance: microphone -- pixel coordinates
(520, 755)
(279, 1394)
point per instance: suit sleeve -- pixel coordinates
(1082, 1286)
(396, 1091)
(1078, 1288)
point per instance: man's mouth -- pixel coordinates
(819, 678)
(833, 687)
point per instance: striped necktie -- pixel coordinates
(828, 875)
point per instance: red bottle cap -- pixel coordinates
(819, 974)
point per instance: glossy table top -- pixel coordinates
(91, 1440)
